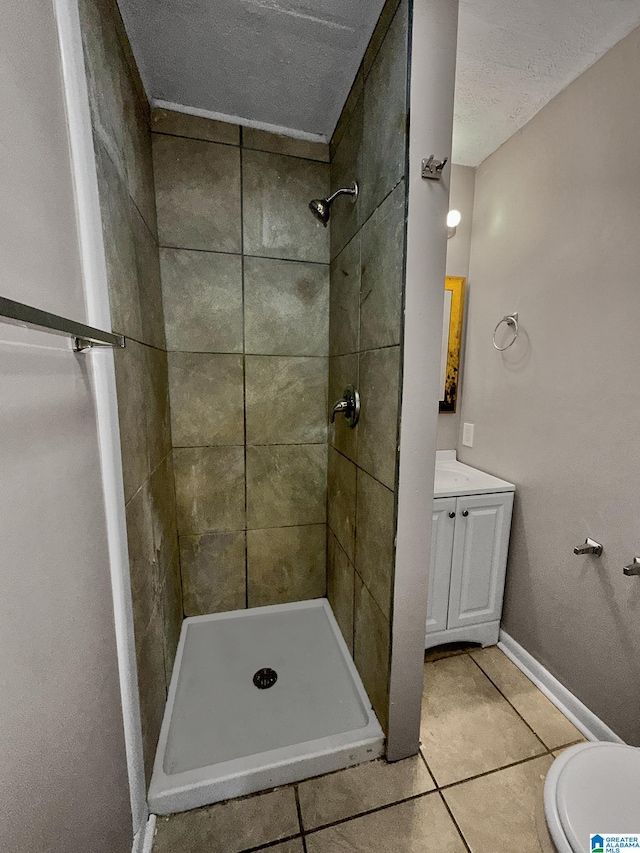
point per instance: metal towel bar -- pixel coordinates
(512, 321)
(83, 336)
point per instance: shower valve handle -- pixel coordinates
(349, 406)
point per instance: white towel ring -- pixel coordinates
(510, 320)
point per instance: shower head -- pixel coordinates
(321, 207)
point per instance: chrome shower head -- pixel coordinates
(321, 207)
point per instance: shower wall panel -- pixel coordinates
(366, 298)
(245, 280)
(122, 139)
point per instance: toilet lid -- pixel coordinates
(598, 791)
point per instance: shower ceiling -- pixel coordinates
(284, 63)
(289, 64)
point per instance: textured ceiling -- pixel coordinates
(289, 64)
(284, 63)
(513, 57)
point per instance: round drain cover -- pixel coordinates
(265, 678)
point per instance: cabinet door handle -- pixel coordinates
(452, 515)
(465, 513)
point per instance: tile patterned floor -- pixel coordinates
(488, 737)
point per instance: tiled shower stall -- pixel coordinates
(245, 320)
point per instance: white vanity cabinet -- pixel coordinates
(468, 561)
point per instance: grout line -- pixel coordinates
(509, 702)
(269, 845)
(361, 351)
(455, 822)
(362, 225)
(241, 144)
(250, 354)
(155, 132)
(491, 772)
(367, 812)
(298, 809)
(359, 467)
(241, 254)
(255, 444)
(244, 375)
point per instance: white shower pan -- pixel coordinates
(222, 736)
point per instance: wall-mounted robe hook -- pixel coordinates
(432, 169)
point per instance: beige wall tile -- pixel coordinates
(344, 309)
(378, 427)
(230, 827)
(213, 572)
(196, 127)
(166, 563)
(415, 827)
(105, 66)
(501, 808)
(385, 116)
(147, 621)
(343, 371)
(172, 612)
(360, 789)
(467, 726)
(207, 399)
(197, 194)
(286, 564)
(382, 283)
(156, 405)
(550, 724)
(209, 489)
(120, 248)
(347, 111)
(340, 588)
(137, 143)
(131, 382)
(149, 284)
(375, 534)
(372, 637)
(276, 195)
(202, 295)
(384, 21)
(286, 485)
(341, 489)
(286, 400)
(261, 140)
(346, 168)
(286, 307)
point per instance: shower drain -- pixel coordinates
(265, 678)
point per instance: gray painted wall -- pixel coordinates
(122, 140)
(367, 281)
(463, 179)
(558, 413)
(245, 278)
(63, 784)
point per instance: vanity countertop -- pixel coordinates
(454, 479)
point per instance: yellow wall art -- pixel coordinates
(454, 289)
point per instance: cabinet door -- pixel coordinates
(442, 528)
(479, 561)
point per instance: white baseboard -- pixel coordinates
(583, 719)
(143, 842)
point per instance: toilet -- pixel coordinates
(592, 788)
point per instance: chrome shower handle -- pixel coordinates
(349, 406)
